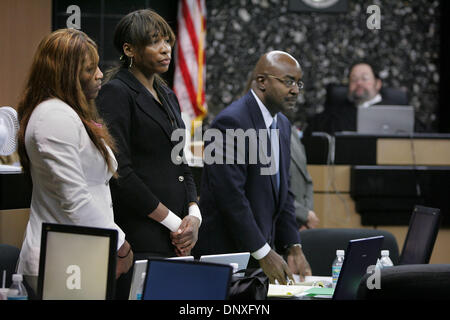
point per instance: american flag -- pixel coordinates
(189, 78)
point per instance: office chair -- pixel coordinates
(422, 232)
(414, 281)
(337, 94)
(320, 245)
(8, 261)
(319, 148)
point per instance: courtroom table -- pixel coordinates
(15, 190)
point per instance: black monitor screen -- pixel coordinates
(421, 237)
(186, 280)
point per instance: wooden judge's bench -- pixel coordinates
(374, 181)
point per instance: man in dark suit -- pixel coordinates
(247, 206)
(364, 91)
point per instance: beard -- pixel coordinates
(358, 98)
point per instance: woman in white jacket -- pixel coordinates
(64, 147)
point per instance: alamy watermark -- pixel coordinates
(234, 146)
(374, 280)
(374, 20)
(74, 20)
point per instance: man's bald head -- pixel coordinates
(275, 80)
(273, 60)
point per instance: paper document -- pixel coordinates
(314, 291)
(314, 281)
(286, 291)
(298, 289)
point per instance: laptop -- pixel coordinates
(186, 280)
(241, 258)
(138, 277)
(422, 232)
(360, 254)
(77, 263)
(385, 119)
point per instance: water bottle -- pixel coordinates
(337, 265)
(385, 261)
(17, 290)
(140, 289)
(235, 267)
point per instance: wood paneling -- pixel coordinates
(13, 224)
(431, 152)
(23, 23)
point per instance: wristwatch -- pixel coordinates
(294, 245)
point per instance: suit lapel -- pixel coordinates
(284, 159)
(298, 155)
(258, 123)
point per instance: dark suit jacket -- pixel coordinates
(240, 207)
(142, 131)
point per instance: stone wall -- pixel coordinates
(406, 48)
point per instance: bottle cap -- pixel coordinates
(4, 293)
(340, 252)
(235, 266)
(17, 277)
(384, 252)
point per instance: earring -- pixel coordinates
(131, 63)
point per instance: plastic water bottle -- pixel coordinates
(17, 290)
(385, 261)
(140, 289)
(337, 265)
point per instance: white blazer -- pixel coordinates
(70, 178)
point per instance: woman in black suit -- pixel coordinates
(154, 197)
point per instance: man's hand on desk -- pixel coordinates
(186, 237)
(275, 268)
(297, 262)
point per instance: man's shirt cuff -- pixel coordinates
(262, 252)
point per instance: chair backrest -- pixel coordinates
(414, 281)
(422, 232)
(320, 245)
(8, 261)
(337, 94)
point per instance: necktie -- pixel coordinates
(275, 144)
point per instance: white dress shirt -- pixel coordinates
(70, 178)
(268, 119)
(370, 102)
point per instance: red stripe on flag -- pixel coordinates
(190, 27)
(187, 80)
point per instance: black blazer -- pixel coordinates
(241, 208)
(147, 175)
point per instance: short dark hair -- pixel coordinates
(371, 64)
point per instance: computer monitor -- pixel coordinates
(385, 119)
(77, 263)
(241, 258)
(360, 254)
(422, 232)
(186, 280)
(139, 269)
